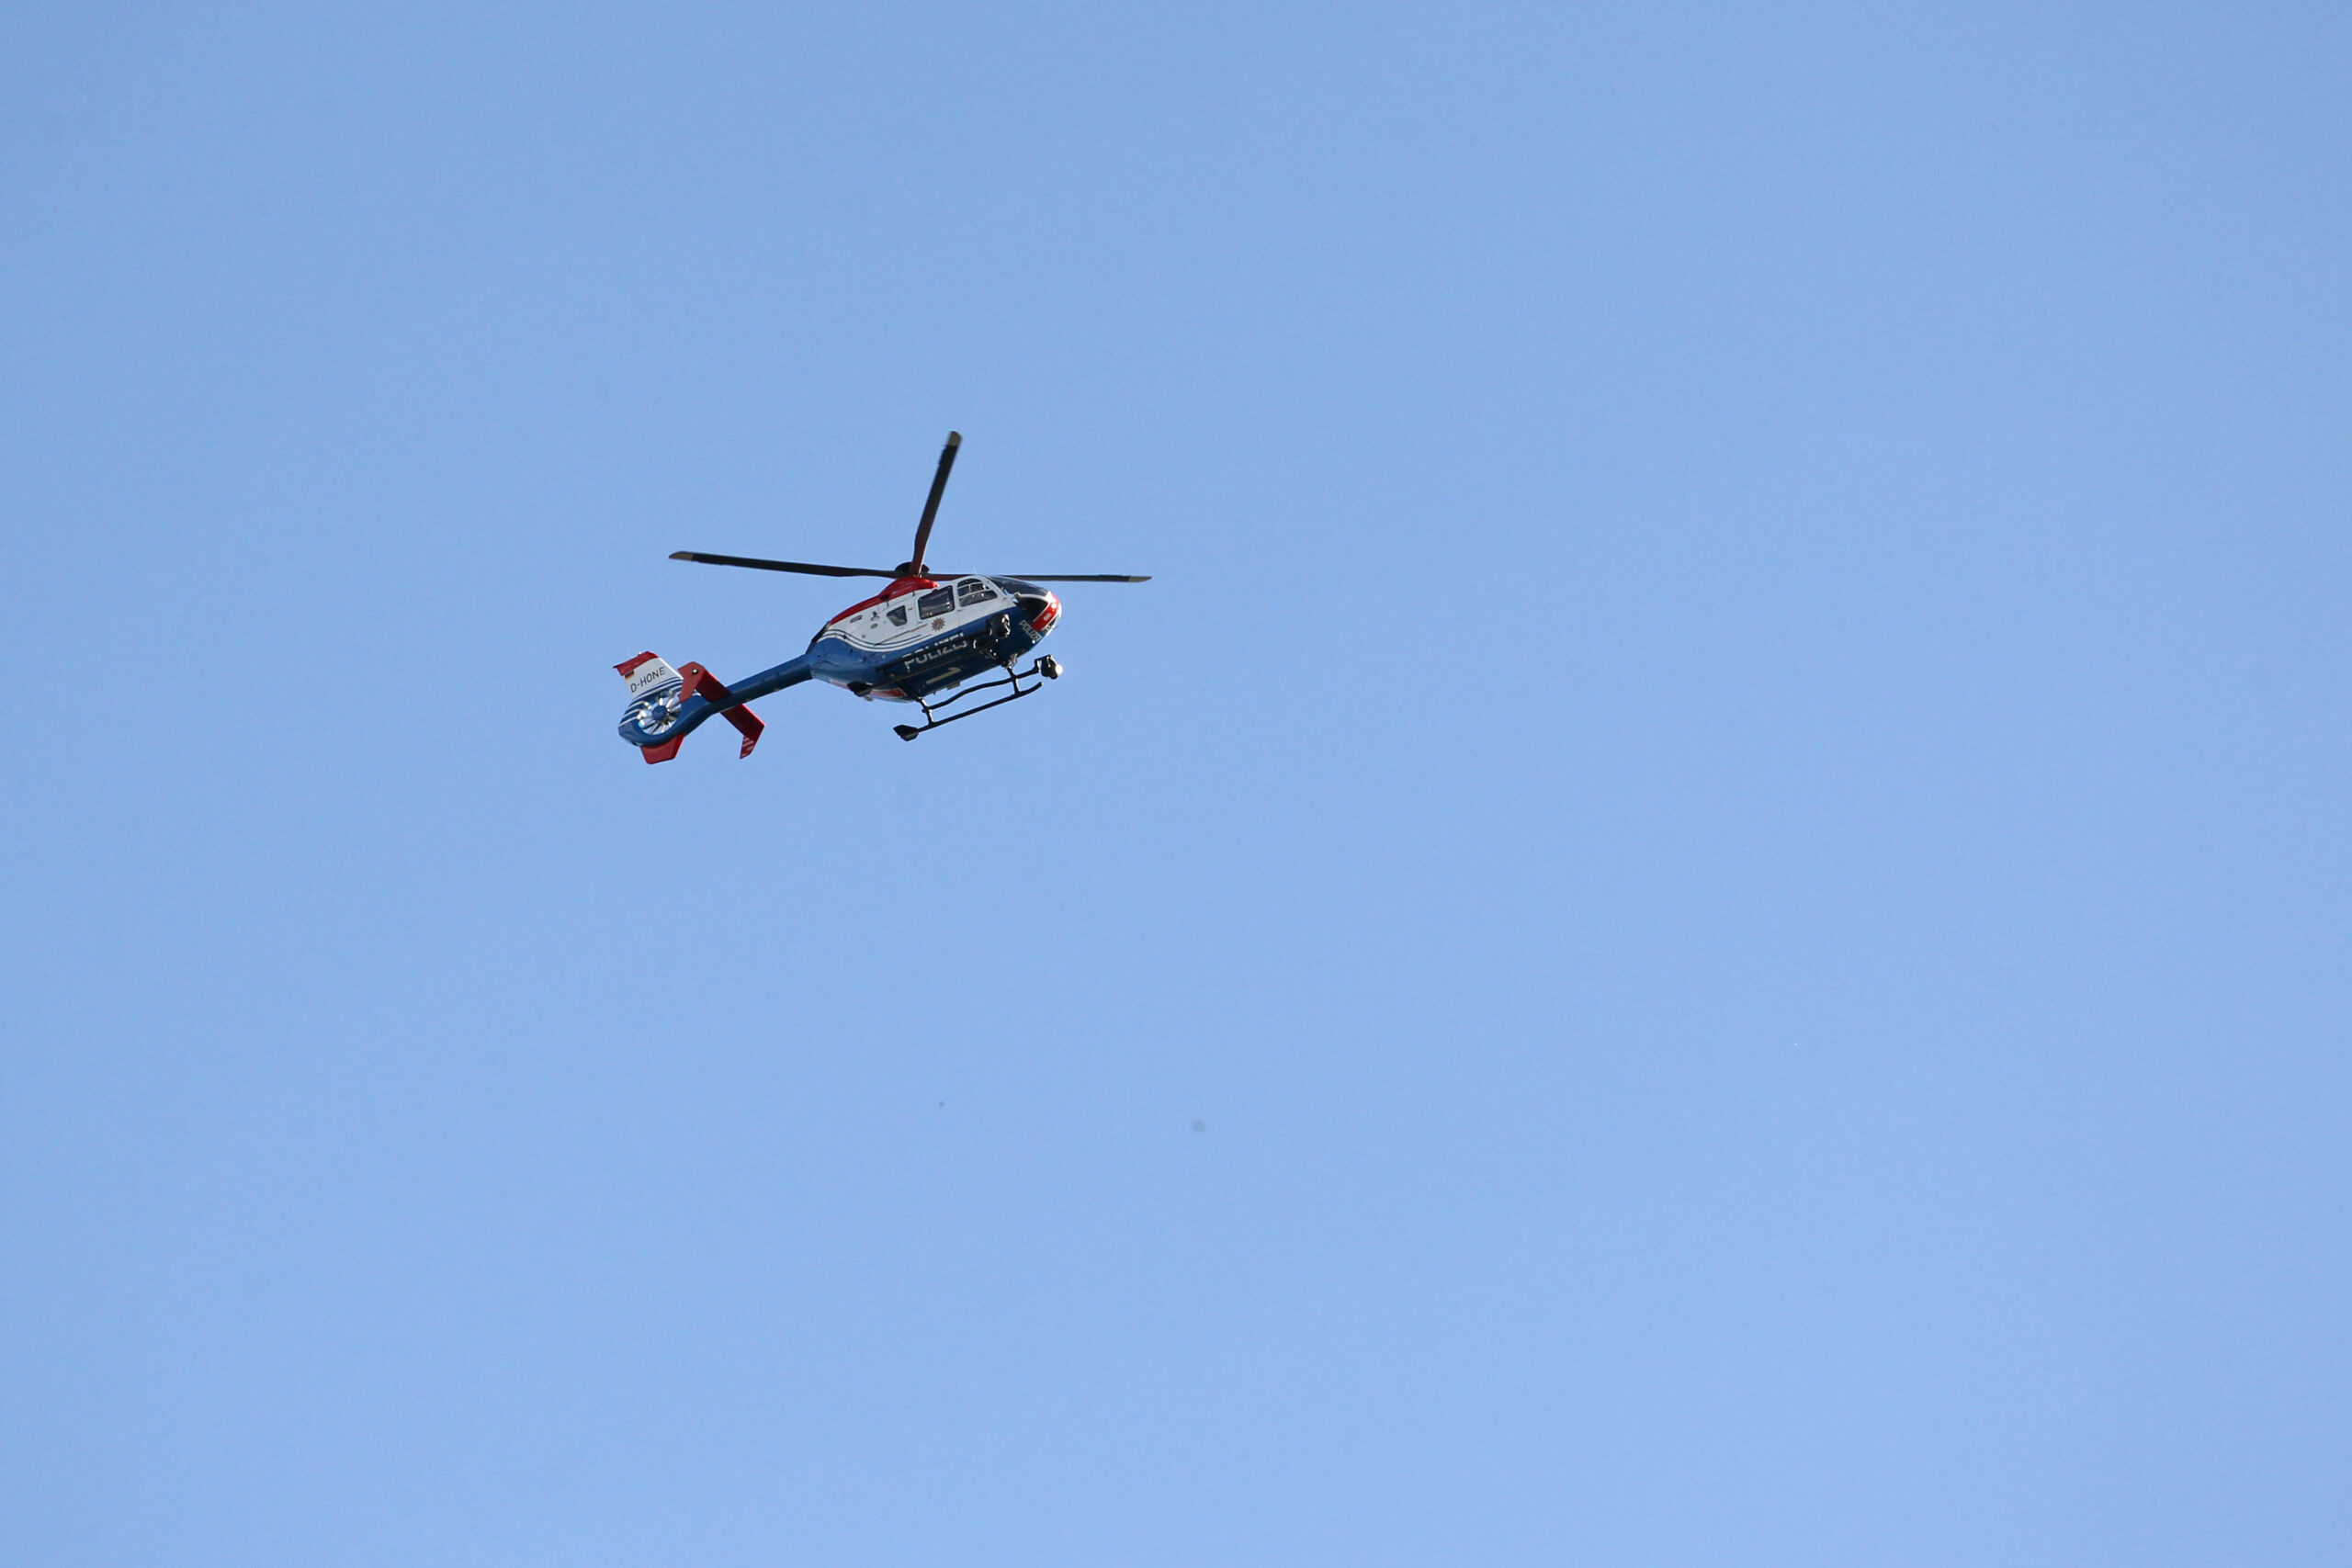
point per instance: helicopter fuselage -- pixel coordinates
(921, 636)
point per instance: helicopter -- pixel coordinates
(925, 639)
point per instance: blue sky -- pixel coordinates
(1700, 919)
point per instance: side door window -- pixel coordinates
(938, 602)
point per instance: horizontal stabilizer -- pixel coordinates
(701, 683)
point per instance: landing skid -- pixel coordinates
(1045, 669)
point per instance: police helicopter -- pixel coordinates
(920, 640)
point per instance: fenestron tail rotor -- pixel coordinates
(917, 565)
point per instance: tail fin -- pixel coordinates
(658, 719)
(656, 693)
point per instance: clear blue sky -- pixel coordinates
(1702, 920)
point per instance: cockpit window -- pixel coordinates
(973, 590)
(938, 602)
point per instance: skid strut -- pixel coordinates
(1045, 669)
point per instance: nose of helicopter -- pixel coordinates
(1038, 605)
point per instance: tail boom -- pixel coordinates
(666, 704)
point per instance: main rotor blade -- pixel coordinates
(798, 566)
(931, 507)
(1049, 577)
